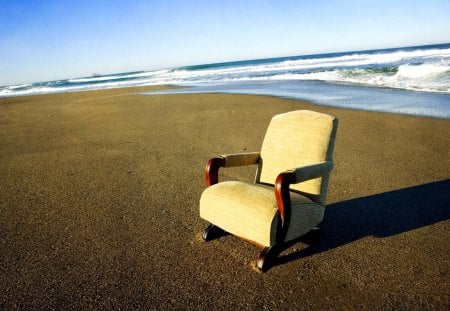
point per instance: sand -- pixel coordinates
(99, 207)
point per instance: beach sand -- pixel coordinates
(99, 207)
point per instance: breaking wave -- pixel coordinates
(424, 69)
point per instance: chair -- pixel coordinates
(287, 199)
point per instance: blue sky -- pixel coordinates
(44, 40)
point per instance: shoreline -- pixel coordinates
(390, 100)
(338, 95)
(100, 195)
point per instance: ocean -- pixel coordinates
(410, 80)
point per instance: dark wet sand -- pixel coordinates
(99, 207)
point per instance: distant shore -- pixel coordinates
(99, 207)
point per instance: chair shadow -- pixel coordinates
(380, 215)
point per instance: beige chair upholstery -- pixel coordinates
(296, 154)
(298, 139)
(250, 211)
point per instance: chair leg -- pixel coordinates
(268, 256)
(212, 232)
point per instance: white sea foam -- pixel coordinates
(346, 68)
(95, 79)
(421, 71)
(352, 60)
(426, 78)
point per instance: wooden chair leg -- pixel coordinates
(268, 256)
(212, 232)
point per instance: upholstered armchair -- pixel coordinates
(287, 199)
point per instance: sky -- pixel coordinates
(43, 40)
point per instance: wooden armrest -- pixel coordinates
(285, 179)
(212, 170)
(283, 198)
(228, 160)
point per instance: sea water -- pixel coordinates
(412, 80)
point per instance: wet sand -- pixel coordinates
(99, 207)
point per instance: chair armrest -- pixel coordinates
(241, 159)
(313, 171)
(285, 179)
(228, 160)
(283, 198)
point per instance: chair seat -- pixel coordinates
(249, 210)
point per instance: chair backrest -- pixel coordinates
(295, 139)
